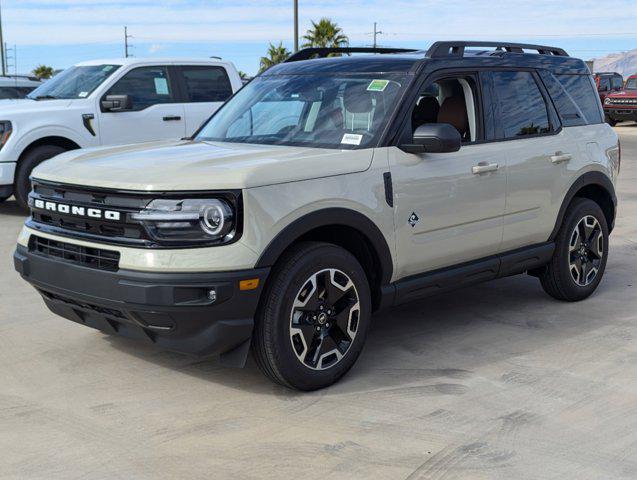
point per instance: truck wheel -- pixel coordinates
(610, 121)
(314, 317)
(581, 250)
(32, 159)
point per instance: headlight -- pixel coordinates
(194, 221)
(5, 131)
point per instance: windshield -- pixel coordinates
(631, 84)
(74, 82)
(327, 111)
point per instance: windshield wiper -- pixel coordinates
(44, 97)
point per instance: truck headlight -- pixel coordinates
(193, 221)
(5, 131)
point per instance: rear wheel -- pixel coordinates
(314, 318)
(581, 251)
(31, 159)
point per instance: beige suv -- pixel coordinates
(324, 190)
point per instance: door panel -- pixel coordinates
(459, 212)
(154, 114)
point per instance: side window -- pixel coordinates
(618, 82)
(206, 84)
(582, 91)
(522, 109)
(568, 111)
(449, 100)
(604, 83)
(146, 86)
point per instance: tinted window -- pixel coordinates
(568, 111)
(146, 86)
(206, 84)
(618, 82)
(604, 83)
(582, 91)
(522, 110)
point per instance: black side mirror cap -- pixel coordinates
(116, 103)
(434, 138)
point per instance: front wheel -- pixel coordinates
(32, 159)
(610, 121)
(314, 318)
(581, 251)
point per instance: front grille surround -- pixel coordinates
(95, 258)
(126, 232)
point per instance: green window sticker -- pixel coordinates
(377, 85)
(161, 86)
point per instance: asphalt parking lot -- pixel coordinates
(495, 382)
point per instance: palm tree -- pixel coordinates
(276, 54)
(43, 72)
(325, 33)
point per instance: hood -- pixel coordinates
(190, 165)
(632, 93)
(25, 105)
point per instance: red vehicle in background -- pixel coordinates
(621, 106)
(608, 82)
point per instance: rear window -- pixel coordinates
(582, 91)
(206, 84)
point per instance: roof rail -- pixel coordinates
(320, 52)
(456, 49)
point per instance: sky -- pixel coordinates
(62, 32)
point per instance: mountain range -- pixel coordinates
(624, 63)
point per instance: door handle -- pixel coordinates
(484, 167)
(175, 118)
(560, 157)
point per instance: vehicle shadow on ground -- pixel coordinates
(10, 207)
(432, 346)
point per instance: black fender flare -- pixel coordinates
(589, 178)
(330, 217)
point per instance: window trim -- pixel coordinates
(170, 76)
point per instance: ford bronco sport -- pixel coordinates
(622, 105)
(108, 102)
(324, 190)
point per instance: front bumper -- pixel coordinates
(620, 113)
(171, 310)
(7, 172)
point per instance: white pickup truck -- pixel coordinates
(108, 102)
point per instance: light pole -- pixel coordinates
(4, 60)
(296, 26)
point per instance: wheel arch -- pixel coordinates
(595, 186)
(346, 228)
(56, 140)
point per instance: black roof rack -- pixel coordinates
(320, 52)
(456, 49)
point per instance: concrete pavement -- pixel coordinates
(494, 382)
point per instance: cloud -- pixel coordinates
(156, 47)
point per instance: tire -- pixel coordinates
(577, 267)
(31, 159)
(314, 317)
(610, 121)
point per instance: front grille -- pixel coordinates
(96, 258)
(124, 231)
(623, 101)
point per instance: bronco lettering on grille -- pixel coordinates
(77, 211)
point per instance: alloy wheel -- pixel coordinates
(586, 249)
(324, 319)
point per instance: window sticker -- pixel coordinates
(107, 68)
(352, 139)
(82, 94)
(377, 85)
(161, 86)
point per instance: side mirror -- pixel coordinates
(434, 138)
(116, 103)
